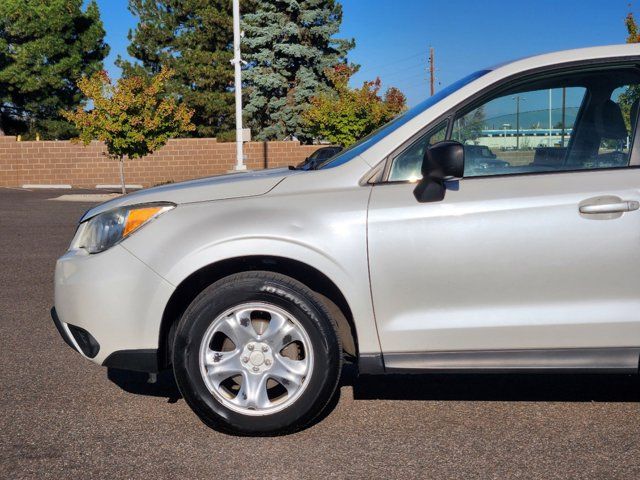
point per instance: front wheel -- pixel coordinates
(257, 353)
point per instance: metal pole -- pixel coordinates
(237, 64)
(564, 105)
(550, 120)
(518, 122)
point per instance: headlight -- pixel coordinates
(107, 229)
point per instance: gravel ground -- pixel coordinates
(63, 417)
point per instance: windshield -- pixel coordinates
(374, 137)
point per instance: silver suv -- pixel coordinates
(396, 254)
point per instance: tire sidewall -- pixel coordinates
(223, 296)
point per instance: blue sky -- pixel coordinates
(393, 36)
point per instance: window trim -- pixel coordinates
(504, 85)
(389, 165)
(634, 152)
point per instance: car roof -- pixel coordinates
(377, 150)
(567, 56)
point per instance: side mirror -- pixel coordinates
(442, 162)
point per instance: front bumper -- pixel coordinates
(77, 338)
(145, 360)
(109, 306)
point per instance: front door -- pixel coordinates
(538, 248)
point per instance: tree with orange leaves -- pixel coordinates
(133, 117)
(346, 114)
(629, 96)
(632, 29)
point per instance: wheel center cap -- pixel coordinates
(256, 358)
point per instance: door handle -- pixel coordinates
(617, 207)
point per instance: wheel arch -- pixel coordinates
(313, 278)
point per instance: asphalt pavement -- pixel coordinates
(64, 417)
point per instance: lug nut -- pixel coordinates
(250, 347)
(256, 369)
(245, 359)
(267, 362)
(265, 348)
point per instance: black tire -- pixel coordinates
(285, 293)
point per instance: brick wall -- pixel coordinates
(53, 162)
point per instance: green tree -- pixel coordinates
(289, 45)
(469, 127)
(45, 47)
(134, 117)
(343, 115)
(633, 33)
(632, 93)
(194, 39)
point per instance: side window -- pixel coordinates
(408, 164)
(582, 121)
(518, 133)
(615, 143)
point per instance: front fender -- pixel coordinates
(331, 239)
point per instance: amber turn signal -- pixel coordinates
(137, 217)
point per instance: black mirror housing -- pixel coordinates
(429, 191)
(442, 162)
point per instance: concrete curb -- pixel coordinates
(87, 197)
(114, 187)
(40, 185)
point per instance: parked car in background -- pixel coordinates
(318, 157)
(480, 157)
(256, 287)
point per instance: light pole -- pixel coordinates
(564, 107)
(550, 120)
(237, 64)
(517, 98)
(505, 126)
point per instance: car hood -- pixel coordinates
(232, 185)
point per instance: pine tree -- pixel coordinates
(45, 47)
(289, 46)
(194, 39)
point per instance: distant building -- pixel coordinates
(526, 138)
